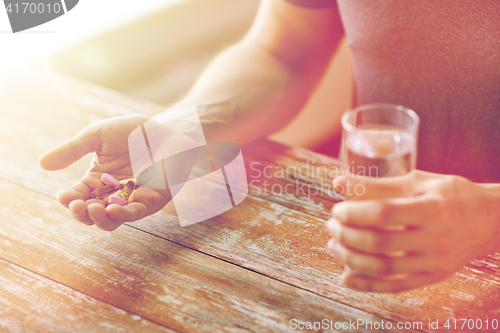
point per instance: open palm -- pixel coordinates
(108, 139)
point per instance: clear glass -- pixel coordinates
(379, 151)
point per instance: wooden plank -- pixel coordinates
(32, 303)
(282, 237)
(290, 246)
(39, 110)
(146, 275)
(292, 177)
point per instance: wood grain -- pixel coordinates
(278, 235)
(32, 303)
(289, 246)
(39, 110)
(156, 279)
(292, 177)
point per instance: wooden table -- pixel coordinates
(261, 267)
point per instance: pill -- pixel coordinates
(121, 196)
(127, 190)
(110, 180)
(117, 200)
(103, 191)
(124, 182)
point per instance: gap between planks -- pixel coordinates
(187, 247)
(115, 104)
(136, 324)
(258, 298)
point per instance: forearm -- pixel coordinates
(257, 86)
(247, 93)
(492, 198)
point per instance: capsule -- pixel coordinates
(128, 189)
(107, 179)
(103, 191)
(121, 196)
(124, 182)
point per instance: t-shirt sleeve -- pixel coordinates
(314, 3)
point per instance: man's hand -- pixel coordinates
(397, 244)
(109, 140)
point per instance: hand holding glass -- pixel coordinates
(379, 151)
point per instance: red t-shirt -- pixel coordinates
(440, 58)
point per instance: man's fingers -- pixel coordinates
(142, 203)
(78, 209)
(372, 264)
(365, 188)
(132, 212)
(409, 212)
(98, 214)
(377, 241)
(93, 212)
(392, 284)
(80, 191)
(71, 150)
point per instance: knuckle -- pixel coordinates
(339, 233)
(345, 256)
(453, 182)
(376, 242)
(94, 127)
(342, 254)
(454, 179)
(385, 266)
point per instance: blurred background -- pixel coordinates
(155, 49)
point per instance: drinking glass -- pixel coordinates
(379, 151)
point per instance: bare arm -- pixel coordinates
(258, 85)
(249, 91)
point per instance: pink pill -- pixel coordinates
(110, 180)
(117, 200)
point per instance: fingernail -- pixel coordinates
(330, 224)
(338, 187)
(339, 212)
(332, 245)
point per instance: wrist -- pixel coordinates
(492, 198)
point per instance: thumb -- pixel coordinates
(422, 176)
(339, 183)
(70, 151)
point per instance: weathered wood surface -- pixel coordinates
(148, 276)
(276, 234)
(31, 303)
(292, 177)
